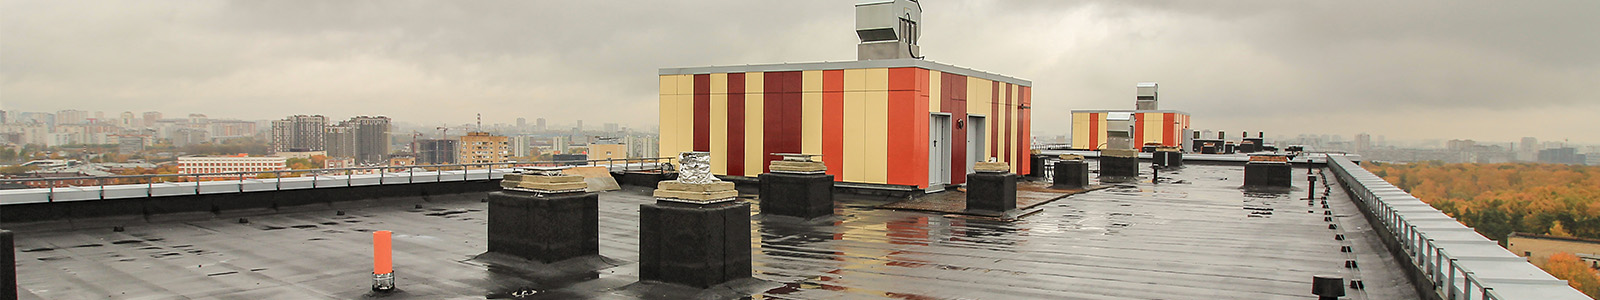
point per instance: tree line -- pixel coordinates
(1498, 199)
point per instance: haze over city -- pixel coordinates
(1483, 70)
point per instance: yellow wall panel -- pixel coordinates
(667, 121)
(855, 80)
(1152, 128)
(877, 79)
(934, 92)
(1080, 131)
(854, 134)
(811, 81)
(811, 123)
(719, 124)
(811, 113)
(754, 128)
(876, 148)
(1102, 133)
(669, 84)
(686, 85)
(978, 101)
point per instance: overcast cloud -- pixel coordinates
(1487, 70)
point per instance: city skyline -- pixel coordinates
(1435, 69)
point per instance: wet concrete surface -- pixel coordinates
(1192, 235)
(1030, 195)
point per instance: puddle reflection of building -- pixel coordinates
(911, 231)
(983, 232)
(810, 245)
(790, 240)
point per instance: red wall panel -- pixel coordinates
(1167, 135)
(781, 115)
(902, 92)
(702, 112)
(736, 124)
(833, 122)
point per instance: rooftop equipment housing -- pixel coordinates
(1145, 96)
(888, 29)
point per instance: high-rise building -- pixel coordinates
(127, 120)
(298, 133)
(225, 129)
(481, 147)
(150, 118)
(1363, 142)
(436, 151)
(1529, 150)
(520, 145)
(339, 141)
(540, 125)
(184, 136)
(560, 143)
(522, 122)
(613, 127)
(372, 138)
(71, 116)
(640, 146)
(580, 126)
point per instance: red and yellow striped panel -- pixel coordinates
(870, 125)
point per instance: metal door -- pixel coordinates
(977, 130)
(938, 151)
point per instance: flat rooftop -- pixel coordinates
(1194, 234)
(850, 64)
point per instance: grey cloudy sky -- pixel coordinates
(1487, 70)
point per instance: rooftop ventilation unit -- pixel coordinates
(1145, 96)
(888, 29)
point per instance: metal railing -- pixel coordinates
(1457, 261)
(54, 184)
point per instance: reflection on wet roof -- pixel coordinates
(1194, 235)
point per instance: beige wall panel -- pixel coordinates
(876, 162)
(755, 129)
(934, 92)
(811, 113)
(855, 80)
(719, 124)
(1080, 131)
(854, 134)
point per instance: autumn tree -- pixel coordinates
(1577, 274)
(1498, 199)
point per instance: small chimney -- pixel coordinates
(1327, 287)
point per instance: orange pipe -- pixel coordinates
(382, 255)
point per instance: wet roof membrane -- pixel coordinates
(1193, 235)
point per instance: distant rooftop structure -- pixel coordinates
(1145, 98)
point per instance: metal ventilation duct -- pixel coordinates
(888, 29)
